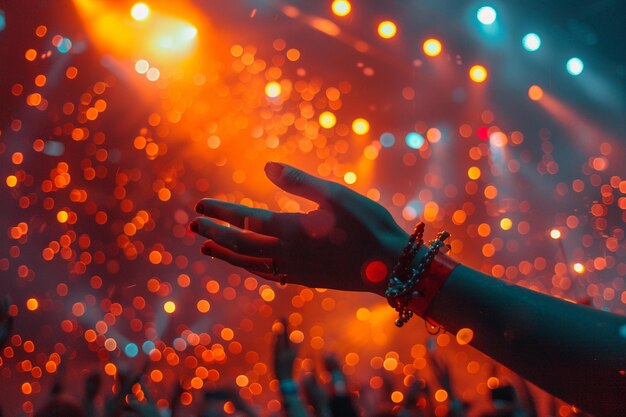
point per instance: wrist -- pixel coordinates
(418, 276)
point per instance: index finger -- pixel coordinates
(265, 222)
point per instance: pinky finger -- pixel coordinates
(251, 263)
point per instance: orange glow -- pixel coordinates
(169, 307)
(341, 7)
(578, 267)
(555, 234)
(478, 73)
(32, 304)
(349, 177)
(140, 11)
(110, 369)
(464, 336)
(387, 29)
(397, 397)
(164, 33)
(432, 47)
(273, 89)
(535, 93)
(360, 126)
(327, 120)
(441, 395)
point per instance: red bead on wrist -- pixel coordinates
(436, 275)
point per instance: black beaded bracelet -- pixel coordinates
(401, 287)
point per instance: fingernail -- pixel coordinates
(274, 169)
(194, 226)
(205, 250)
(199, 208)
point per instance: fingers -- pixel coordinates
(257, 265)
(281, 343)
(236, 240)
(247, 218)
(300, 183)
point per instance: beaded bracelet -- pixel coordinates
(401, 292)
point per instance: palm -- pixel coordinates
(328, 247)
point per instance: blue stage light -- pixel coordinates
(531, 42)
(575, 66)
(486, 15)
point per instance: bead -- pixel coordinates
(399, 323)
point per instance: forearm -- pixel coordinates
(576, 353)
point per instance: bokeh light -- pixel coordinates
(531, 42)
(116, 127)
(327, 120)
(341, 7)
(360, 126)
(432, 47)
(140, 11)
(555, 234)
(387, 139)
(575, 66)
(387, 29)
(486, 15)
(273, 89)
(478, 73)
(169, 307)
(535, 93)
(414, 140)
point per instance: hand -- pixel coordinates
(6, 320)
(284, 354)
(329, 247)
(147, 409)
(92, 385)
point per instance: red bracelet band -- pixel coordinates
(435, 276)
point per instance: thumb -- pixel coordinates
(300, 183)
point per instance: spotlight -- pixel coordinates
(140, 11)
(478, 73)
(555, 234)
(432, 47)
(341, 7)
(531, 42)
(387, 29)
(486, 15)
(575, 66)
(578, 267)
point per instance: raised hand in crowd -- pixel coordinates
(6, 320)
(285, 354)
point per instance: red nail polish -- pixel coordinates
(199, 208)
(194, 226)
(274, 169)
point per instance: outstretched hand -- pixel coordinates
(330, 247)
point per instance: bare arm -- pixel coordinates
(573, 352)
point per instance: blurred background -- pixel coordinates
(501, 122)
